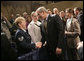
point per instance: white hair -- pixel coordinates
(55, 9)
(42, 9)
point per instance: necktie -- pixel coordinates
(45, 25)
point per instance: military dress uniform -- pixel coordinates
(23, 42)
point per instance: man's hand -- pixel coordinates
(65, 32)
(58, 51)
(38, 44)
(45, 43)
(80, 44)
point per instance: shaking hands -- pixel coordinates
(58, 51)
(38, 44)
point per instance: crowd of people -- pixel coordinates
(56, 35)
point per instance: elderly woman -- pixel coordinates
(23, 39)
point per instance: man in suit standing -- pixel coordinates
(79, 15)
(72, 35)
(52, 33)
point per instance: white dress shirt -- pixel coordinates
(68, 23)
(35, 31)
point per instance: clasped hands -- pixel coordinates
(58, 50)
(38, 44)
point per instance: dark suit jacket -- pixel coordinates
(80, 19)
(55, 33)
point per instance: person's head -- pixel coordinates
(69, 12)
(55, 11)
(42, 12)
(20, 22)
(18, 15)
(12, 16)
(34, 16)
(28, 18)
(49, 11)
(77, 10)
(62, 14)
(24, 14)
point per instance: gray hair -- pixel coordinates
(42, 9)
(25, 13)
(55, 9)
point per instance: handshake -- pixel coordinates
(38, 44)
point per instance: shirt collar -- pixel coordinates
(34, 21)
(24, 30)
(47, 17)
(70, 18)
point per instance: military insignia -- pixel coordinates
(21, 38)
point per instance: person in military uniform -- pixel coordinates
(23, 39)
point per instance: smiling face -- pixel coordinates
(22, 24)
(35, 17)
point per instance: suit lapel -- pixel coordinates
(48, 20)
(45, 24)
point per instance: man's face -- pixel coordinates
(75, 12)
(55, 11)
(12, 16)
(41, 15)
(50, 12)
(62, 14)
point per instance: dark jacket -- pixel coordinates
(55, 33)
(80, 18)
(7, 52)
(23, 42)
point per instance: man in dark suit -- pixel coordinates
(79, 15)
(52, 33)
